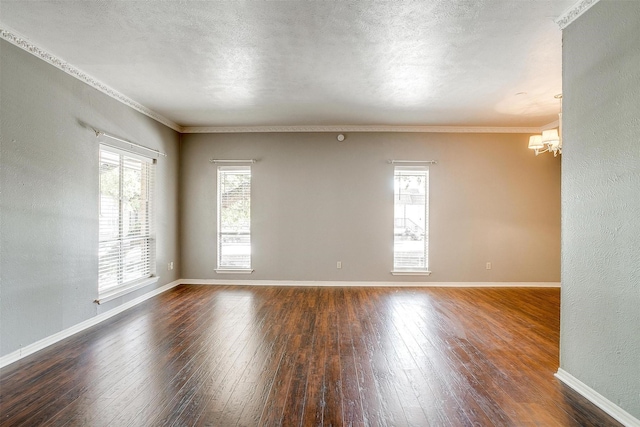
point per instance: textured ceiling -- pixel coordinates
(294, 63)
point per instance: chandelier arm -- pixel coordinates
(547, 149)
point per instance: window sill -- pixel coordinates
(118, 292)
(411, 273)
(234, 270)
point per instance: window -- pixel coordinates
(234, 219)
(126, 245)
(411, 219)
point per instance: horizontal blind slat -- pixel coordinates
(411, 217)
(234, 217)
(126, 251)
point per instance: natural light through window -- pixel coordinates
(126, 254)
(234, 218)
(411, 219)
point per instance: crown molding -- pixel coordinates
(59, 63)
(353, 128)
(22, 43)
(548, 126)
(574, 12)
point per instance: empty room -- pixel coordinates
(313, 213)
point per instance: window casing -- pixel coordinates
(411, 219)
(234, 219)
(126, 254)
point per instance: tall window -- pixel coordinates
(411, 219)
(126, 248)
(234, 217)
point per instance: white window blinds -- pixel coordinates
(234, 217)
(126, 245)
(411, 218)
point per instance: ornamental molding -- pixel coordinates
(59, 63)
(352, 128)
(22, 43)
(574, 12)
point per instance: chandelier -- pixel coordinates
(550, 141)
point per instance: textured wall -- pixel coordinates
(600, 328)
(316, 201)
(49, 196)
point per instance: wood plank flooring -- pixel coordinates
(267, 356)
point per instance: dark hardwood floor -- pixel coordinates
(226, 356)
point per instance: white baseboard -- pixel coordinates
(597, 399)
(59, 336)
(371, 284)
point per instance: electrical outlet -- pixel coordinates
(339, 264)
(170, 266)
(488, 266)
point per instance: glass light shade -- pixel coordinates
(535, 142)
(551, 137)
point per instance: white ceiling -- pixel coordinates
(313, 63)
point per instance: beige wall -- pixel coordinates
(316, 201)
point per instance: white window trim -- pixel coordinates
(425, 271)
(234, 270)
(223, 269)
(410, 273)
(123, 290)
(127, 288)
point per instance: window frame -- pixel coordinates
(412, 271)
(220, 267)
(125, 287)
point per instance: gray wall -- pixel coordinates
(49, 197)
(316, 201)
(600, 326)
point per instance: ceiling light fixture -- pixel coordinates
(551, 139)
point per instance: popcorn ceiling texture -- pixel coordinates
(300, 63)
(600, 331)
